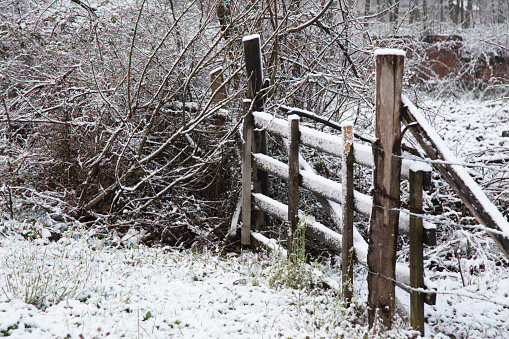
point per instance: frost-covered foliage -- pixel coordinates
(445, 58)
(108, 112)
(101, 108)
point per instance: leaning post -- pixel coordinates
(293, 182)
(254, 68)
(417, 173)
(247, 135)
(348, 206)
(383, 232)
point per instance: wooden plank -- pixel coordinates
(322, 141)
(347, 252)
(416, 251)
(323, 120)
(253, 59)
(332, 191)
(383, 232)
(254, 68)
(485, 212)
(327, 122)
(293, 181)
(247, 134)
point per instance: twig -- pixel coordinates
(89, 9)
(9, 126)
(459, 265)
(310, 22)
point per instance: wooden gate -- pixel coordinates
(340, 200)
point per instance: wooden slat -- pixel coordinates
(416, 252)
(322, 141)
(247, 134)
(485, 212)
(332, 190)
(347, 198)
(253, 58)
(293, 181)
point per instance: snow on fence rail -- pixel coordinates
(322, 141)
(327, 188)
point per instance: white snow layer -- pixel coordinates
(251, 37)
(322, 141)
(389, 51)
(143, 292)
(218, 69)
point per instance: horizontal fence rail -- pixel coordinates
(333, 191)
(322, 141)
(333, 240)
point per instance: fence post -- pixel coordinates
(416, 250)
(347, 205)
(247, 135)
(293, 181)
(216, 79)
(383, 232)
(253, 59)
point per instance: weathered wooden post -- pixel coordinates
(293, 181)
(253, 58)
(416, 247)
(247, 135)
(383, 232)
(254, 67)
(347, 251)
(216, 80)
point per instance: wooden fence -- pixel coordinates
(388, 218)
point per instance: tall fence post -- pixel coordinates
(416, 250)
(247, 135)
(253, 59)
(383, 232)
(293, 181)
(348, 206)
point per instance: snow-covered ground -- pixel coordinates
(475, 130)
(81, 287)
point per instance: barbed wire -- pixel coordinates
(443, 162)
(435, 220)
(409, 288)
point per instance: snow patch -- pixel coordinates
(389, 51)
(251, 37)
